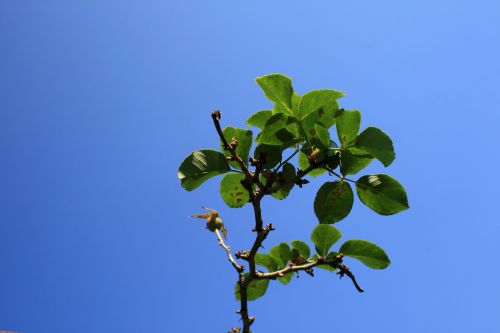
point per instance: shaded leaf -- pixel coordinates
(382, 193)
(376, 143)
(272, 154)
(333, 202)
(353, 161)
(368, 253)
(232, 192)
(285, 186)
(200, 166)
(280, 130)
(323, 237)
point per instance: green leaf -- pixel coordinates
(348, 123)
(272, 154)
(323, 237)
(295, 257)
(200, 166)
(353, 160)
(287, 174)
(278, 108)
(376, 143)
(382, 193)
(322, 134)
(302, 248)
(322, 116)
(332, 155)
(304, 164)
(368, 253)
(281, 254)
(333, 202)
(265, 260)
(244, 138)
(295, 103)
(255, 289)
(232, 192)
(286, 278)
(316, 100)
(326, 268)
(279, 130)
(259, 118)
(278, 89)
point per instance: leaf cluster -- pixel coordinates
(302, 126)
(284, 260)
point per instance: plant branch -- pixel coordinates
(216, 115)
(290, 268)
(239, 268)
(339, 175)
(343, 269)
(261, 234)
(288, 159)
(247, 320)
(231, 148)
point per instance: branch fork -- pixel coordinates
(257, 191)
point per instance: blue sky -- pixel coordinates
(101, 100)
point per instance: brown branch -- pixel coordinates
(244, 304)
(250, 256)
(216, 115)
(261, 234)
(239, 268)
(343, 269)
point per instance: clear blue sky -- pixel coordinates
(101, 100)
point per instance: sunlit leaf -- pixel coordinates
(323, 237)
(278, 89)
(348, 123)
(232, 191)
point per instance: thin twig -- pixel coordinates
(216, 115)
(343, 269)
(230, 257)
(288, 159)
(290, 268)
